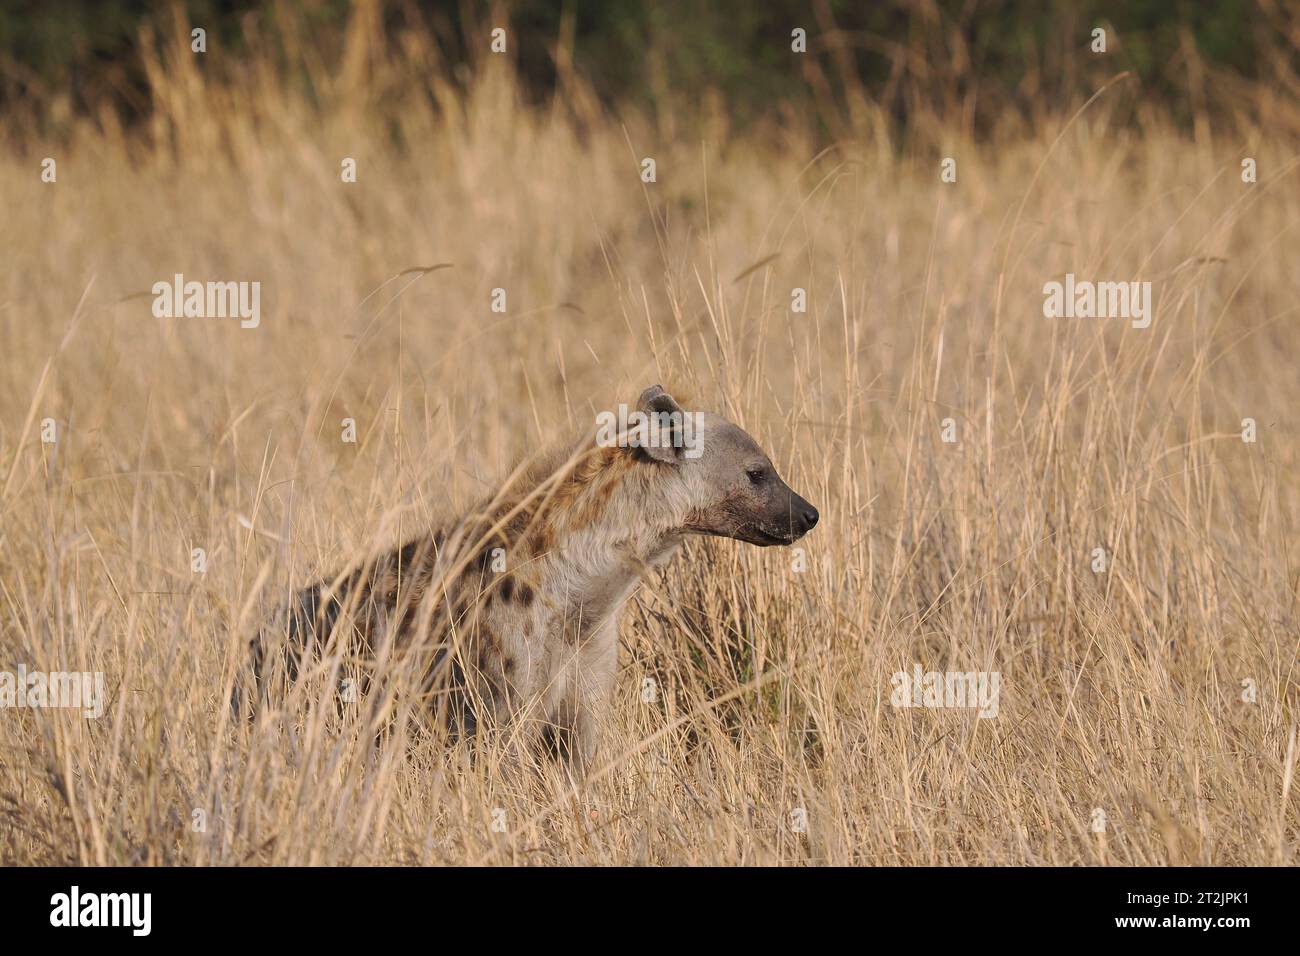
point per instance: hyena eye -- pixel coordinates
(756, 475)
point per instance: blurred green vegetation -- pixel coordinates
(979, 59)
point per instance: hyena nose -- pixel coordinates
(809, 518)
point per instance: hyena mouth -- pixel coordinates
(765, 538)
(802, 519)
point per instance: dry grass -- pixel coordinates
(1120, 691)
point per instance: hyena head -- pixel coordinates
(721, 480)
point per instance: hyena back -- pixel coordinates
(513, 612)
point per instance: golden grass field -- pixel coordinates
(1120, 691)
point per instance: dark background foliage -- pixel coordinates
(978, 59)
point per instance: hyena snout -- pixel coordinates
(804, 514)
(783, 518)
(801, 516)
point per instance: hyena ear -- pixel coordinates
(661, 432)
(655, 399)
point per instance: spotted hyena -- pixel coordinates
(513, 611)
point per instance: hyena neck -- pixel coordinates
(605, 526)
